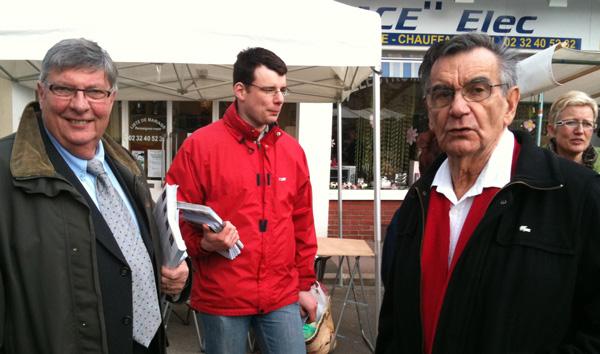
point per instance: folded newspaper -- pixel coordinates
(167, 219)
(202, 214)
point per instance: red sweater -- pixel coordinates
(435, 273)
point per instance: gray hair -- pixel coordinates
(466, 42)
(79, 53)
(571, 98)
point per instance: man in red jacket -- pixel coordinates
(255, 176)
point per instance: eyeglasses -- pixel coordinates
(476, 91)
(272, 91)
(574, 124)
(70, 92)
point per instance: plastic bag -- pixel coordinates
(310, 329)
(318, 335)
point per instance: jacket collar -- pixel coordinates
(244, 132)
(30, 159)
(535, 167)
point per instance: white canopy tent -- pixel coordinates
(556, 70)
(184, 50)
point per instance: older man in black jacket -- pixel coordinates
(80, 264)
(496, 249)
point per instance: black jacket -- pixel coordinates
(527, 281)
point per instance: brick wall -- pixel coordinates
(357, 216)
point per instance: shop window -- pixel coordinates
(403, 115)
(286, 120)
(187, 117)
(114, 123)
(223, 107)
(147, 132)
(526, 119)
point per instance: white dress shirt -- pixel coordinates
(496, 173)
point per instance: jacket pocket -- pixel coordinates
(533, 281)
(548, 235)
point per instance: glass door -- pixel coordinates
(147, 132)
(187, 117)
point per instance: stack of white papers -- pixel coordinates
(233, 251)
(202, 214)
(167, 219)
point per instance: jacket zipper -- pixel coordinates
(422, 207)
(261, 184)
(510, 184)
(262, 223)
(529, 186)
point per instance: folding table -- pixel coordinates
(347, 248)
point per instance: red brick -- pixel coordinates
(358, 218)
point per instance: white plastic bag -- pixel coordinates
(321, 340)
(320, 294)
(322, 299)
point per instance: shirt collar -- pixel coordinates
(76, 163)
(496, 172)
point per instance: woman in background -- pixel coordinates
(572, 120)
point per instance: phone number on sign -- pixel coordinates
(517, 42)
(538, 42)
(146, 138)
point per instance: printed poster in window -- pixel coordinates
(156, 166)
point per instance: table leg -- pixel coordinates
(354, 271)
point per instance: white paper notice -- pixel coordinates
(156, 164)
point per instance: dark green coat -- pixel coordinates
(64, 288)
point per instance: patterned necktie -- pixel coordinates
(146, 311)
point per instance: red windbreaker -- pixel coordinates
(264, 190)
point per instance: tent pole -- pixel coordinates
(540, 118)
(339, 167)
(377, 191)
(340, 189)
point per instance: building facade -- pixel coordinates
(408, 28)
(154, 130)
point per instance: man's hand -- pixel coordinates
(308, 306)
(221, 241)
(172, 280)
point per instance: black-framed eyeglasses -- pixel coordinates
(476, 91)
(272, 91)
(70, 92)
(576, 123)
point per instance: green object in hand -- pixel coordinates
(309, 330)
